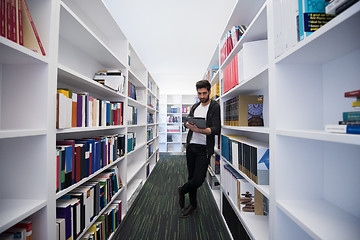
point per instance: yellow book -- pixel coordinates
(66, 92)
(356, 104)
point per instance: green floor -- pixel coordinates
(155, 214)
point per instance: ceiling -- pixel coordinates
(175, 39)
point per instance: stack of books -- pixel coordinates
(338, 6)
(230, 40)
(351, 119)
(113, 79)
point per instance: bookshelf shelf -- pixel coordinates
(321, 219)
(256, 226)
(134, 169)
(14, 210)
(13, 53)
(322, 136)
(76, 80)
(89, 129)
(319, 48)
(72, 187)
(13, 133)
(264, 189)
(264, 130)
(303, 90)
(257, 30)
(84, 39)
(100, 213)
(135, 183)
(79, 39)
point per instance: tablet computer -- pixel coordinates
(199, 121)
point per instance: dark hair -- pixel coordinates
(203, 84)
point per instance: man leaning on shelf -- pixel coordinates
(199, 144)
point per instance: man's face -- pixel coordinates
(203, 94)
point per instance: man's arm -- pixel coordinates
(194, 128)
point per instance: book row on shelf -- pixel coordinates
(244, 110)
(149, 133)
(252, 57)
(246, 198)
(18, 26)
(215, 90)
(82, 110)
(78, 159)
(231, 38)
(132, 115)
(173, 119)
(350, 122)
(248, 156)
(213, 69)
(150, 118)
(131, 141)
(90, 206)
(301, 18)
(150, 149)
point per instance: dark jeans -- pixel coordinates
(197, 164)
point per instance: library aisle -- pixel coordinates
(155, 214)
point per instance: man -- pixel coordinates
(199, 144)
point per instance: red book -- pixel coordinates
(28, 226)
(13, 21)
(78, 162)
(2, 18)
(355, 93)
(8, 20)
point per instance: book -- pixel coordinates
(354, 129)
(112, 79)
(19, 23)
(351, 116)
(31, 37)
(244, 110)
(355, 93)
(2, 18)
(312, 16)
(63, 211)
(344, 6)
(61, 229)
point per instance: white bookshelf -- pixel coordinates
(303, 90)
(79, 38)
(178, 138)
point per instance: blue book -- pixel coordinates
(63, 210)
(225, 147)
(108, 113)
(353, 129)
(311, 16)
(67, 151)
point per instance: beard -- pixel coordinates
(204, 100)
